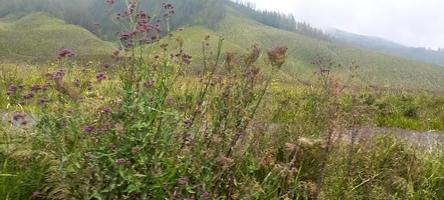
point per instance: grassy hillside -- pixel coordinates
(39, 36)
(375, 69)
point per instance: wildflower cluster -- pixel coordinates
(169, 9)
(65, 53)
(143, 30)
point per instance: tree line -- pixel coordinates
(95, 15)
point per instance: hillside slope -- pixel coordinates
(382, 45)
(376, 69)
(39, 36)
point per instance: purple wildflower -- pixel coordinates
(56, 75)
(77, 82)
(148, 84)
(43, 100)
(182, 181)
(36, 87)
(36, 195)
(11, 89)
(89, 128)
(66, 53)
(30, 95)
(106, 110)
(19, 116)
(100, 76)
(206, 195)
(106, 65)
(121, 161)
(186, 58)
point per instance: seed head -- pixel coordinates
(277, 56)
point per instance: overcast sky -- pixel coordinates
(418, 23)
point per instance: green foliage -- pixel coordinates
(410, 111)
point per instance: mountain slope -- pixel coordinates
(39, 36)
(376, 69)
(382, 45)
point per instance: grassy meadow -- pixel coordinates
(195, 116)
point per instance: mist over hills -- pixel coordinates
(389, 47)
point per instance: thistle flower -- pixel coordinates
(229, 57)
(277, 56)
(254, 54)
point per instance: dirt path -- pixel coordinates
(427, 140)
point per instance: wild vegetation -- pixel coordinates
(191, 115)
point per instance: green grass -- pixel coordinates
(37, 36)
(61, 160)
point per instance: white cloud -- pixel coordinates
(410, 22)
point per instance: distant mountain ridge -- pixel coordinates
(389, 47)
